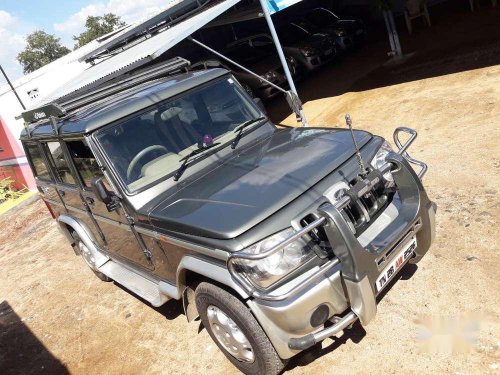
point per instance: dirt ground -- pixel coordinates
(441, 316)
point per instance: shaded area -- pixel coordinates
(21, 352)
(459, 40)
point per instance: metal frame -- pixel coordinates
(403, 147)
(339, 205)
(292, 98)
(274, 35)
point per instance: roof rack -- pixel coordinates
(166, 18)
(68, 104)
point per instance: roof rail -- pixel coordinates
(67, 104)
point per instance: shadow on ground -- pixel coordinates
(21, 352)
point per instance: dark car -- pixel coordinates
(348, 31)
(257, 54)
(252, 54)
(310, 48)
(176, 185)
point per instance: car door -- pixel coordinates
(67, 186)
(121, 239)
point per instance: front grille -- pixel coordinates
(360, 214)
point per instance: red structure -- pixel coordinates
(13, 162)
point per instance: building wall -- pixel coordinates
(13, 162)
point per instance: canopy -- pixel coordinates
(144, 52)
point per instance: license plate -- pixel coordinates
(329, 51)
(359, 32)
(396, 264)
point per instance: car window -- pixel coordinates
(247, 55)
(84, 161)
(149, 146)
(262, 41)
(39, 167)
(60, 163)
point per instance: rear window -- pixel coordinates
(60, 163)
(39, 167)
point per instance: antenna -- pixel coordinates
(363, 171)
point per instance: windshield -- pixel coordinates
(149, 146)
(292, 34)
(321, 17)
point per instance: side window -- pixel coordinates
(40, 169)
(61, 165)
(84, 160)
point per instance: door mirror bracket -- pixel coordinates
(104, 195)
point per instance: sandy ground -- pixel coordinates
(441, 316)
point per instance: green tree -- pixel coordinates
(97, 26)
(41, 49)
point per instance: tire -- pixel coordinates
(265, 359)
(99, 275)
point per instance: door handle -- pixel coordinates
(90, 201)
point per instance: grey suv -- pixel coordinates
(181, 188)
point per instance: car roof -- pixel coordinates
(88, 119)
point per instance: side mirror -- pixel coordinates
(101, 192)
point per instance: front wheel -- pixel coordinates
(88, 257)
(236, 332)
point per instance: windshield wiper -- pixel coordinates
(186, 158)
(240, 129)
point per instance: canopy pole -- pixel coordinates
(12, 88)
(281, 55)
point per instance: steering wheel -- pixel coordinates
(141, 154)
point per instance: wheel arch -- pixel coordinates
(68, 223)
(190, 272)
(192, 267)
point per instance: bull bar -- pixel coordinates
(331, 213)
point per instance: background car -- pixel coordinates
(312, 49)
(347, 31)
(256, 54)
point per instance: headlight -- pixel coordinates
(379, 160)
(307, 51)
(267, 271)
(339, 32)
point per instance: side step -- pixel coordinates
(137, 284)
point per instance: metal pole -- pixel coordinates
(399, 51)
(389, 33)
(281, 55)
(235, 64)
(12, 87)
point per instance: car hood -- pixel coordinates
(249, 187)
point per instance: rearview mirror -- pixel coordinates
(101, 192)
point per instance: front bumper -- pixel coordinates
(348, 280)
